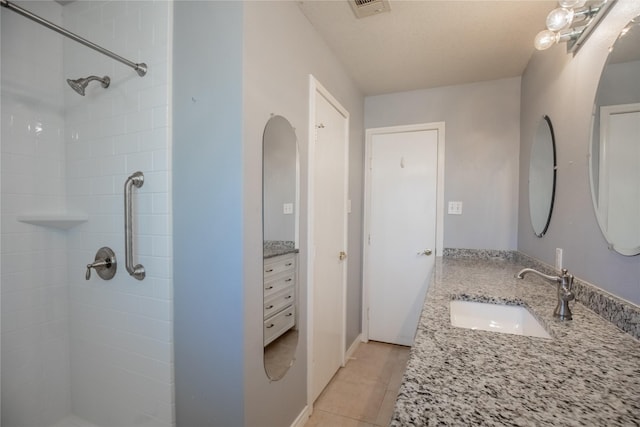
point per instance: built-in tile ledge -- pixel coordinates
(623, 314)
(62, 221)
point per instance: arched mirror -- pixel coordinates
(280, 173)
(542, 177)
(615, 144)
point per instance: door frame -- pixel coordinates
(606, 111)
(317, 89)
(369, 133)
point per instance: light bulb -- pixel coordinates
(559, 19)
(545, 39)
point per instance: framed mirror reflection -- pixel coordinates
(615, 144)
(280, 201)
(542, 177)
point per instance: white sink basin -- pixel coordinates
(506, 319)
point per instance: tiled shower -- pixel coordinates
(74, 350)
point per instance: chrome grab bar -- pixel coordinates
(137, 271)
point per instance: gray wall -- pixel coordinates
(208, 208)
(564, 87)
(235, 64)
(281, 49)
(482, 126)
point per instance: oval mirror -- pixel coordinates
(279, 232)
(542, 177)
(615, 144)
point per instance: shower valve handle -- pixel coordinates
(104, 264)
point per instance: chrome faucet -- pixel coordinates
(565, 294)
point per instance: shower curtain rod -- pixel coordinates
(140, 68)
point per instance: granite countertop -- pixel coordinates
(588, 374)
(274, 248)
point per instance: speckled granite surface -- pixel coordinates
(274, 248)
(588, 374)
(479, 253)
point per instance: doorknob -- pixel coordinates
(342, 256)
(425, 252)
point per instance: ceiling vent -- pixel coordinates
(364, 8)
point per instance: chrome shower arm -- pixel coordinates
(141, 68)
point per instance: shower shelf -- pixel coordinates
(63, 221)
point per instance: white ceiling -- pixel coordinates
(429, 43)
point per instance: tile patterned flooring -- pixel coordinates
(363, 393)
(278, 356)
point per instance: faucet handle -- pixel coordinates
(105, 264)
(566, 285)
(101, 263)
(566, 279)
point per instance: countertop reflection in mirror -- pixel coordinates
(280, 201)
(542, 177)
(615, 144)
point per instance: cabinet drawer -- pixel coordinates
(279, 324)
(279, 283)
(279, 265)
(278, 301)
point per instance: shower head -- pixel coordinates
(79, 85)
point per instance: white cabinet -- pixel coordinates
(279, 296)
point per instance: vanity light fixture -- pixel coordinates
(572, 22)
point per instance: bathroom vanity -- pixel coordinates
(279, 293)
(588, 373)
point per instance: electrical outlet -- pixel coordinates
(287, 208)
(455, 208)
(558, 259)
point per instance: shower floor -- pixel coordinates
(73, 421)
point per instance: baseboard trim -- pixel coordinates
(302, 418)
(353, 347)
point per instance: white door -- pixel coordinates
(619, 203)
(402, 231)
(329, 237)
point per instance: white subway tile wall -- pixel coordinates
(111, 355)
(35, 308)
(121, 330)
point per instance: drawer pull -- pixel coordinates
(270, 326)
(269, 287)
(269, 270)
(289, 314)
(288, 280)
(289, 264)
(287, 297)
(269, 307)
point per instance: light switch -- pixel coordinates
(287, 208)
(455, 208)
